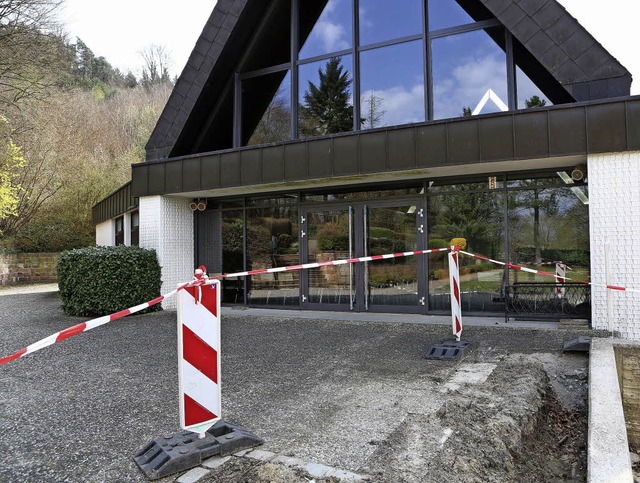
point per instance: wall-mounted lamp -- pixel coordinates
(579, 172)
(199, 204)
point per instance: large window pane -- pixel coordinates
(392, 85)
(469, 74)
(273, 242)
(325, 27)
(451, 13)
(381, 20)
(326, 97)
(476, 217)
(529, 95)
(266, 108)
(232, 256)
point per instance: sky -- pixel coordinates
(120, 29)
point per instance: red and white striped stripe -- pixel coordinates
(199, 356)
(454, 284)
(561, 273)
(85, 326)
(548, 274)
(345, 261)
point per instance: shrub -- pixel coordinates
(458, 242)
(102, 280)
(438, 243)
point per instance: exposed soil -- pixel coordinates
(526, 422)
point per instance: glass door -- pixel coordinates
(395, 282)
(361, 230)
(328, 235)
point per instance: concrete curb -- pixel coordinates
(608, 448)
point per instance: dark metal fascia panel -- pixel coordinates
(575, 129)
(115, 204)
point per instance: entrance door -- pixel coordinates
(359, 230)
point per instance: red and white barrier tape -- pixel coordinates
(200, 279)
(345, 261)
(548, 274)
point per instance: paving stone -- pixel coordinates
(288, 461)
(193, 475)
(319, 471)
(215, 462)
(242, 453)
(259, 454)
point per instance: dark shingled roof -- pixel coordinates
(543, 28)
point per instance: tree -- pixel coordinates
(11, 160)
(155, 68)
(535, 101)
(373, 109)
(31, 54)
(466, 112)
(326, 107)
(275, 124)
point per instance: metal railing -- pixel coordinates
(548, 300)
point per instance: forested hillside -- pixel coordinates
(70, 127)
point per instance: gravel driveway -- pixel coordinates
(330, 392)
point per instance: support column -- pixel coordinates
(166, 226)
(614, 214)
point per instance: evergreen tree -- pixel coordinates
(326, 107)
(535, 101)
(466, 111)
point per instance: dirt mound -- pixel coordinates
(509, 428)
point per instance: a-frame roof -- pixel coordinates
(555, 41)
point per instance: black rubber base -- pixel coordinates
(449, 349)
(581, 344)
(184, 450)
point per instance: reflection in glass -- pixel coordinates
(529, 95)
(380, 22)
(394, 94)
(326, 99)
(393, 281)
(466, 68)
(364, 195)
(272, 46)
(232, 256)
(330, 238)
(548, 225)
(266, 108)
(325, 27)
(272, 241)
(477, 218)
(449, 13)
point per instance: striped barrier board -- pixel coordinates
(199, 356)
(454, 285)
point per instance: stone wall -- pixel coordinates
(16, 268)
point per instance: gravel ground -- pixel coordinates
(355, 395)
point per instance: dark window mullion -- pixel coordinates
(295, 39)
(387, 43)
(426, 46)
(461, 29)
(356, 65)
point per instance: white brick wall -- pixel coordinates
(106, 233)
(614, 214)
(166, 225)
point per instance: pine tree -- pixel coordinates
(535, 101)
(326, 107)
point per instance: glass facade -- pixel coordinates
(535, 221)
(368, 64)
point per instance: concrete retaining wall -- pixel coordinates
(18, 268)
(608, 448)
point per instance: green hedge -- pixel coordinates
(102, 280)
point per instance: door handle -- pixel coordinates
(421, 228)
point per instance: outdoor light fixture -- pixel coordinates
(200, 204)
(579, 172)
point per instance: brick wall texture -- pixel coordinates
(614, 215)
(19, 268)
(166, 225)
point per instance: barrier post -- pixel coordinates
(454, 285)
(199, 389)
(561, 273)
(199, 356)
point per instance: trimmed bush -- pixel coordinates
(101, 280)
